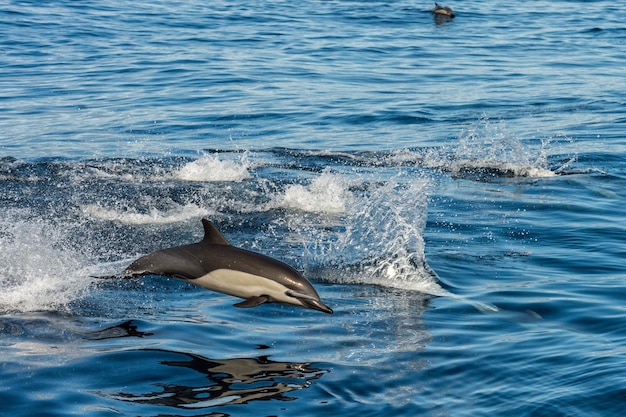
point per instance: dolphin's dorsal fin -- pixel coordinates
(212, 235)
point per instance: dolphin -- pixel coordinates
(214, 264)
(442, 11)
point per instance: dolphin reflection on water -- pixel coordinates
(224, 381)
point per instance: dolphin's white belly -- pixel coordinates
(244, 285)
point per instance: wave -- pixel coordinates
(483, 151)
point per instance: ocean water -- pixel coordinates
(454, 189)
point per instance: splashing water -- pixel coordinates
(327, 193)
(381, 242)
(396, 215)
(489, 149)
(36, 273)
(211, 168)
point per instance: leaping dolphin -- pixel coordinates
(214, 264)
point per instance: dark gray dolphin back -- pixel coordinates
(186, 262)
(176, 262)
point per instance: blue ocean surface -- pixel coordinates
(454, 188)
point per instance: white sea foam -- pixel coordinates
(129, 215)
(211, 168)
(328, 193)
(36, 272)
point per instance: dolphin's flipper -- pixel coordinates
(253, 301)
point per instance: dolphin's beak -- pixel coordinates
(310, 301)
(316, 305)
